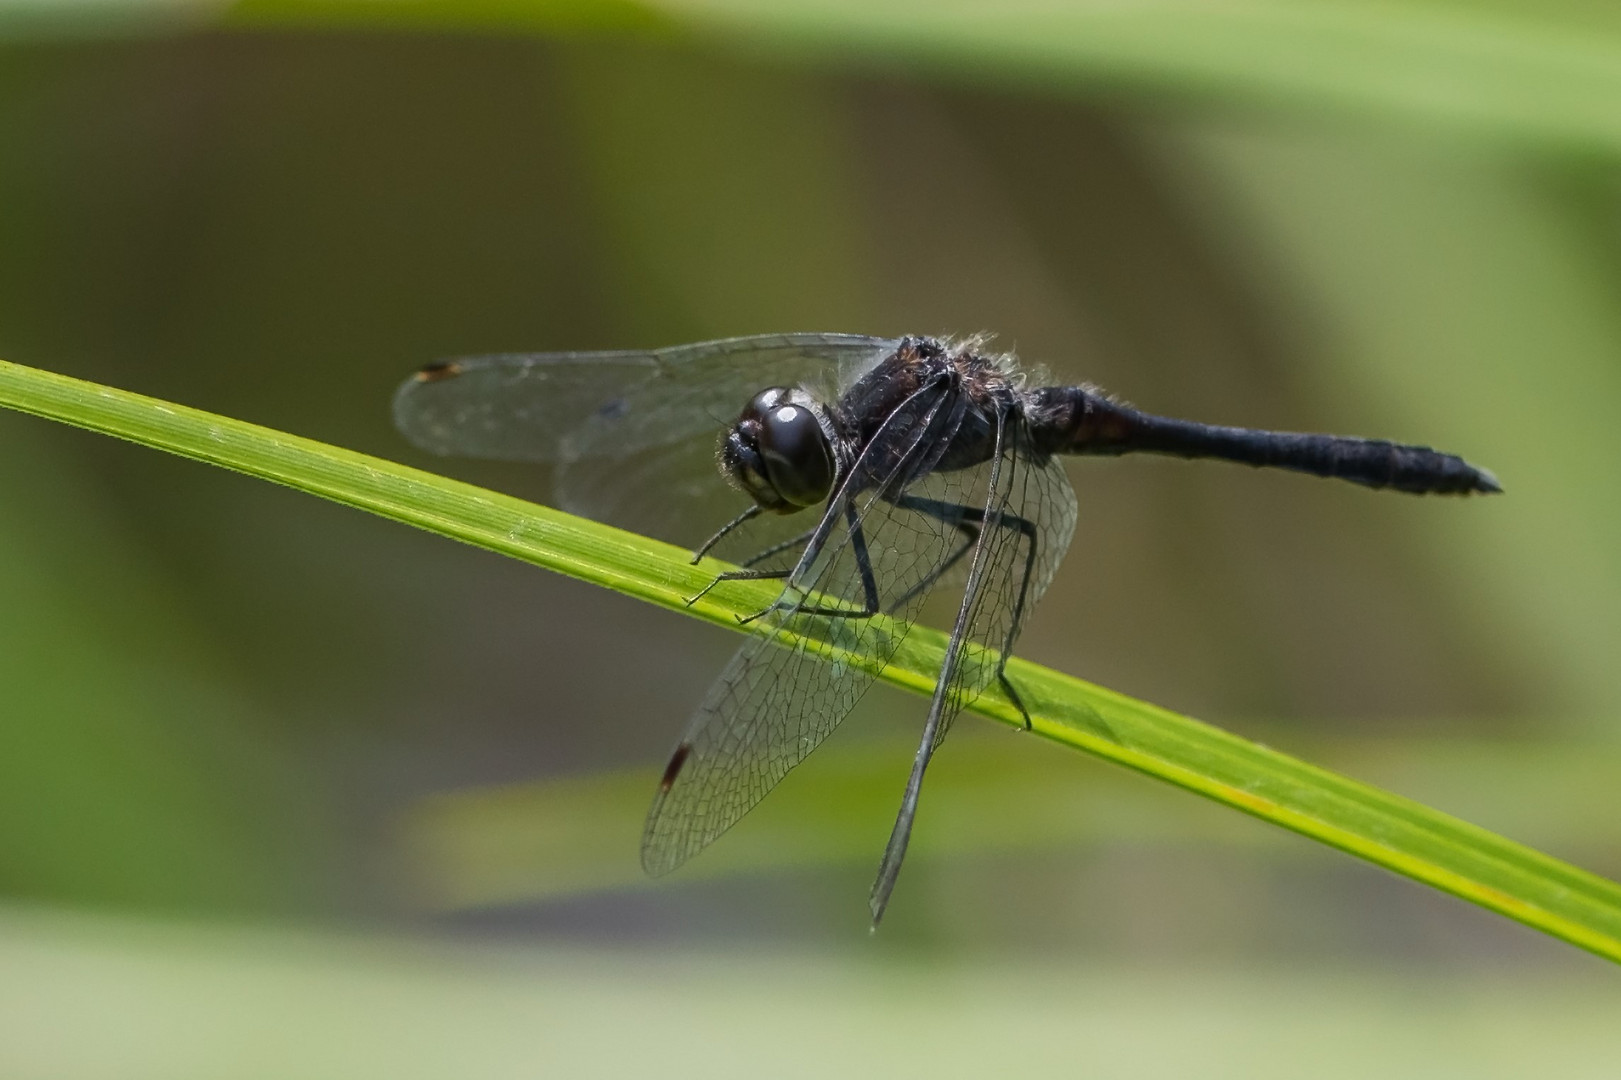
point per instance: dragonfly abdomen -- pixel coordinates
(1076, 420)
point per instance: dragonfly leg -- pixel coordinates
(697, 556)
(1029, 531)
(951, 514)
(748, 564)
(858, 545)
(968, 519)
(797, 542)
(738, 575)
(869, 583)
(1012, 693)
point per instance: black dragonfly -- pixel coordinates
(920, 459)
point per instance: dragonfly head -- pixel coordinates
(780, 451)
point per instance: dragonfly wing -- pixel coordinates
(1017, 513)
(550, 406)
(1033, 512)
(775, 703)
(633, 434)
(647, 463)
(803, 671)
(514, 407)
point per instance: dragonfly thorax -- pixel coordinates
(780, 451)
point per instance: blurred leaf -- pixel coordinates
(129, 773)
(1385, 829)
(1545, 73)
(94, 998)
(1461, 295)
(1549, 73)
(520, 843)
(752, 173)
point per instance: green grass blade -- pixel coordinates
(1384, 829)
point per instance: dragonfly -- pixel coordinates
(870, 471)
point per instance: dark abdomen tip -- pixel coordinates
(1486, 482)
(1420, 470)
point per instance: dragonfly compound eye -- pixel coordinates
(778, 451)
(740, 462)
(797, 457)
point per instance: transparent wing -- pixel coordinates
(803, 671)
(698, 390)
(1031, 514)
(648, 462)
(517, 407)
(633, 433)
(1017, 512)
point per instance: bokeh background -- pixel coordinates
(289, 791)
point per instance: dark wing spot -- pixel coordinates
(673, 769)
(447, 369)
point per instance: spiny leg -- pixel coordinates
(1028, 529)
(738, 575)
(797, 542)
(697, 556)
(966, 518)
(869, 582)
(735, 575)
(943, 511)
(858, 545)
(759, 557)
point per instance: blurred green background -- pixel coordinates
(289, 791)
